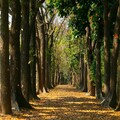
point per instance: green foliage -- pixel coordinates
(95, 16)
(81, 14)
(76, 10)
(67, 52)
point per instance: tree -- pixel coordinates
(95, 16)
(32, 52)
(106, 48)
(42, 48)
(118, 89)
(25, 70)
(18, 99)
(115, 54)
(110, 78)
(5, 71)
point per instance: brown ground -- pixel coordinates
(65, 103)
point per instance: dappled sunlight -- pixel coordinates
(68, 105)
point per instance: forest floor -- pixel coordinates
(65, 103)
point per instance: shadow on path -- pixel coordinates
(67, 103)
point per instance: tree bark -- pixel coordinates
(5, 70)
(98, 64)
(50, 62)
(118, 84)
(18, 98)
(110, 98)
(38, 44)
(91, 87)
(42, 49)
(82, 71)
(25, 75)
(106, 49)
(116, 51)
(15, 50)
(32, 60)
(85, 78)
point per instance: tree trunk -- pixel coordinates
(118, 84)
(39, 81)
(25, 75)
(5, 71)
(18, 100)
(91, 87)
(15, 50)
(106, 49)
(82, 72)
(111, 96)
(50, 62)
(98, 65)
(38, 74)
(42, 48)
(116, 50)
(98, 71)
(46, 63)
(85, 78)
(53, 71)
(33, 94)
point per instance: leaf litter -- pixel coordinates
(65, 103)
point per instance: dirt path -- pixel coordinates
(66, 103)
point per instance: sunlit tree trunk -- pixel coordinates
(42, 49)
(38, 43)
(50, 61)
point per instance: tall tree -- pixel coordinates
(25, 73)
(110, 72)
(5, 71)
(32, 52)
(38, 45)
(118, 84)
(98, 66)
(95, 16)
(18, 99)
(114, 57)
(42, 47)
(106, 48)
(116, 52)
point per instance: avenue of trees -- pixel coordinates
(96, 27)
(95, 31)
(51, 42)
